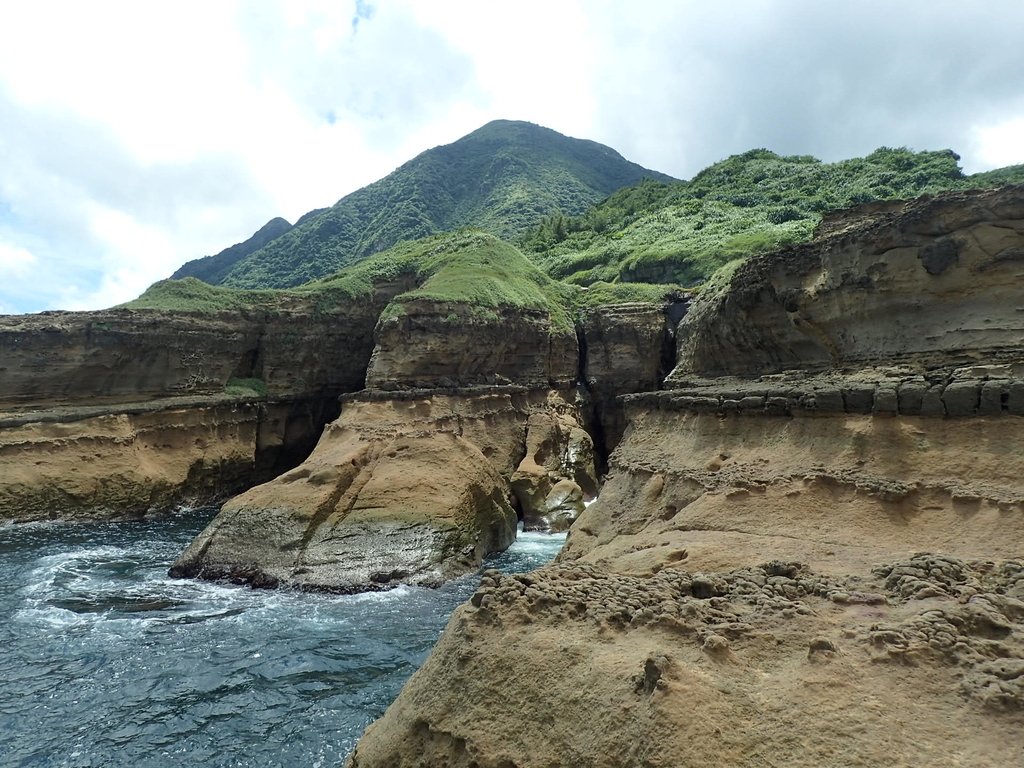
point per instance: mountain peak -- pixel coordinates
(504, 178)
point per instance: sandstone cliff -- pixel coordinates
(415, 484)
(808, 551)
(480, 406)
(408, 488)
(123, 413)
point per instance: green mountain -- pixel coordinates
(503, 178)
(682, 232)
(213, 269)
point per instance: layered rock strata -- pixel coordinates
(470, 418)
(449, 344)
(808, 552)
(626, 348)
(124, 413)
(927, 282)
(404, 488)
(143, 460)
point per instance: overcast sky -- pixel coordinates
(135, 136)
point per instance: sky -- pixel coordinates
(135, 136)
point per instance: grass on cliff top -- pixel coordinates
(192, 295)
(602, 294)
(469, 268)
(482, 273)
(747, 204)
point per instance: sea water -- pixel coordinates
(106, 661)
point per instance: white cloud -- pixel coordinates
(997, 145)
(16, 262)
(135, 136)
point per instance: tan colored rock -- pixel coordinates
(409, 489)
(839, 493)
(773, 664)
(557, 473)
(928, 280)
(817, 561)
(125, 413)
(749, 591)
(125, 465)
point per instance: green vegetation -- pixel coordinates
(245, 387)
(639, 244)
(751, 203)
(192, 295)
(468, 267)
(602, 294)
(213, 269)
(502, 178)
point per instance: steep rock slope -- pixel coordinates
(790, 565)
(929, 280)
(401, 489)
(236, 385)
(501, 178)
(471, 397)
(124, 413)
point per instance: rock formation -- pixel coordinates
(477, 404)
(401, 489)
(415, 483)
(124, 413)
(808, 550)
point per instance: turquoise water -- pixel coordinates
(106, 661)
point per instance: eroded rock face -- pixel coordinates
(447, 344)
(628, 348)
(133, 412)
(745, 667)
(836, 492)
(118, 356)
(558, 472)
(141, 461)
(931, 280)
(404, 488)
(810, 538)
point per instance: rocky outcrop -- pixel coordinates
(121, 355)
(627, 348)
(123, 413)
(404, 488)
(469, 411)
(930, 281)
(134, 462)
(432, 344)
(558, 473)
(810, 539)
(769, 664)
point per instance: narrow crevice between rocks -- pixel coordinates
(593, 423)
(675, 311)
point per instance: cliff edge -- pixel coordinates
(809, 548)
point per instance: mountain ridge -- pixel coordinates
(503, 178)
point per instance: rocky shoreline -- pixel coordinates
(808, 547)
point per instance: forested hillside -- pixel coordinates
(681, 232)
(502, 178)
